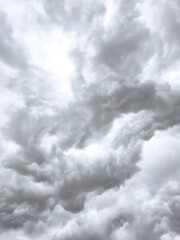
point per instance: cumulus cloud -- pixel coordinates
(89, 120)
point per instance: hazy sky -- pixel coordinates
(89, 120)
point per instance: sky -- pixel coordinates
(90, 120)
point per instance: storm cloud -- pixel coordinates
(90, 120)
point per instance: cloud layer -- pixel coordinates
(90, 113)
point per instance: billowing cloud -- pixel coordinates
(90, 118)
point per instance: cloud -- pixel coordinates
(10, 51)
(89, 120)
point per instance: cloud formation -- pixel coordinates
(90, 117)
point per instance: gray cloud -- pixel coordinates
(10, 51)
(89, 120)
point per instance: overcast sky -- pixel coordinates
(89, 120)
